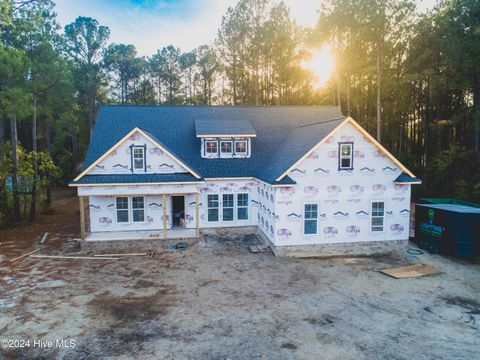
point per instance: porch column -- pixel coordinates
(164, 216)
(82, 218)
(197, 220)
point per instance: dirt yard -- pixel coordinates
(218, 301)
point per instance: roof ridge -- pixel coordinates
(321, 122)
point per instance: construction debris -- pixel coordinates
(116, 255)
(259, 248)
(253, 249)
(411, 271)
(44, 238)
(73, 257)
(24, 255)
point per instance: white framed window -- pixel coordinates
(226, 146)
(310, 219)
(227, 207)
(212, 205)
(242, 206)
(211, 147)
(123, 213)
(138, 209)
(377, 216)
(345, 156)
(138, 155)
(241, 147)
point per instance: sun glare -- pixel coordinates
(321, 64)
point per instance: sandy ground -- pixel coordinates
(218, 301)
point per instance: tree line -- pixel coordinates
(412, 79)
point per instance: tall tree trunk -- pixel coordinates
(13, 140)
(33, 206)
(91, 102)
(257, 82)
(379, 96)
(74, 143)
(476, 114)
(2, 137)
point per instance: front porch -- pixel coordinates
(166, 217)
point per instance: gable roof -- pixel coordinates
(207, 127)
(285, 135)
(145, 134)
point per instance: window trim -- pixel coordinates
(340, 144)
(130, 210)
(206, 147)
(127, 209)
(235, 146)
(310, 219)
(230, 207)
(144, 158)
(139, 209)
(231, 147)
(371, 216)
(242, 207)
(217, 207)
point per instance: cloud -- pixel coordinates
(152, 24)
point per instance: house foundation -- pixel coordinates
(364, 248)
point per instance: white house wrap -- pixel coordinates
(309, 179)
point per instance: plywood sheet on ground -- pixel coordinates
(411, 271)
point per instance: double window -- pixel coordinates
(310, 216)
(345, 156)
(378, 216)
(231, 209)
(135, 204)
(138, 158)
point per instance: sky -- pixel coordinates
(153, 24)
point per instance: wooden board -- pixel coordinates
(72, 257)
(411, 271)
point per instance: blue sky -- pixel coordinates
(152, 24)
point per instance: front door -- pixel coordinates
(178, 211)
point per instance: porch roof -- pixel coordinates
(136, 179)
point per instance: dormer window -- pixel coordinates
(241, 147)
(211, 147)
(226, 147)
(225, 138)
(138, 158)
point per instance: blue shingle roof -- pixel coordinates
(208, 126)
(136, 178)
(284, 135)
